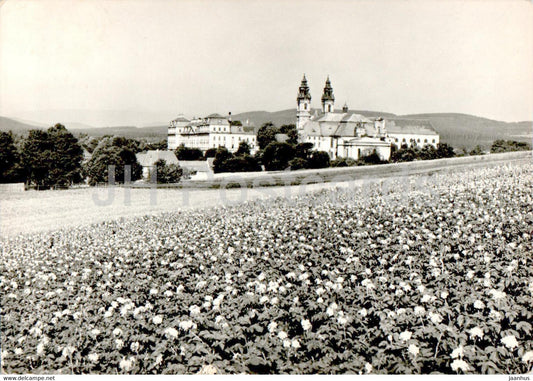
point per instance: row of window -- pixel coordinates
(413, 140)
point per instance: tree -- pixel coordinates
(244, 149)
(266, 135)
(304, 150)
(166, 173)
(221, 157)
(10, 168)
(67, 156)
(276, 156)
(444, 151)
(298, 163)
(291, 131)
(211, 152)
(235, 123)
(319, 159)
(343, 162)
(97, 168)
(509, 146)
(185, 153)
(371, 159)
(428, 152)
(478, 150)
(52, 157)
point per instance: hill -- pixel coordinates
(458, 130)
(467, 131)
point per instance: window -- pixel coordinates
(396, 139)
(403, 140)
(305, 106)
(418, 140)
(425, 140)
(433, 140)
(329, 108)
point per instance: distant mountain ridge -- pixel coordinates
(459, 130)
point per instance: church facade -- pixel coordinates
(348, 134)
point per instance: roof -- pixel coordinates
(195, 165)
(245, 130)
(409, 126)
(339, 124)
(148, 158)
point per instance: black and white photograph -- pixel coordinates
(300, 187)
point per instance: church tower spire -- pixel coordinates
(303, 109)
(328, 99)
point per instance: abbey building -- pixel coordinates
(342, 133)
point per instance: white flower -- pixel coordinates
(274, 300)
(126, 365)
(368, 367)
(286, 343)
(117, 332)
(406, 335)
(413, 349)
(458, 352)
(460, 364)
(67, 351)
(186, 325)
(444, 294)
(194, 310)
(95, 332)
(135, 346)
(495, 315)
(263, 299)
(159, 360)
(295, 344)
(158, 319)
(470, 274)
(510, 341)
(109, 312)
(400, 311)
(435, 317)
(18, 351)
(272, 327)
(497, 295)
(306, 324)
(419, 311)
(476, 332)
(320, 291)
(342, 320)
(119, 343)
(425, 298)
(93, 357)
(363, 312)
(168, 293)
(40, 348)
(171, 332)
(479, 305)
(527, 357)
(282, 335)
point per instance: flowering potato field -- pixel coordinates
(364, 280)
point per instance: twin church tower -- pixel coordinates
(303, 111)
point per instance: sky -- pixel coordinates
(123, 62)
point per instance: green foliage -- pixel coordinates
(244, 149)
(97, 168)
(211, 152)
(185, 153)
(52, 157)
(10, 168)
(166, 173)
(266, 135)
(478, 150)
(276, 156)
(291, 131)
(343, 162)
(298, 163)
(499, 146)
(319, 159)
(225, 161)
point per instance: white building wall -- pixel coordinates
(420, 139)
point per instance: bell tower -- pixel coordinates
(303, 109)
(328, 99)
